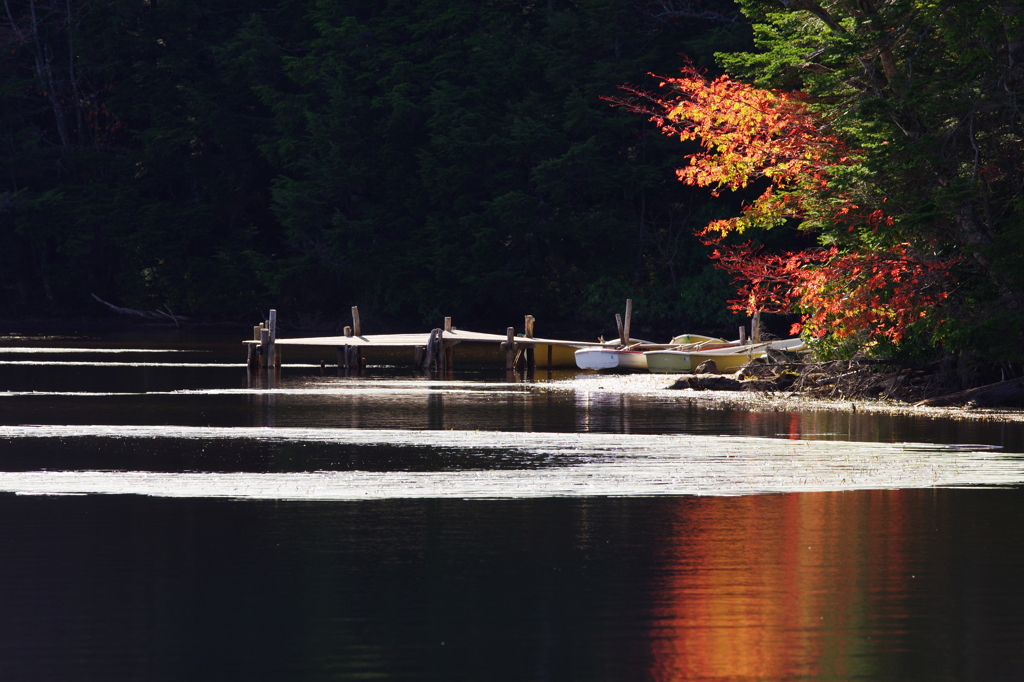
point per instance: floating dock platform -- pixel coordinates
(434, 348)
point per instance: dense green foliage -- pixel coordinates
(927, 94)
(419, 158)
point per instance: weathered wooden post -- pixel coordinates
(265, 347)
(267, 337)
(431, 350)
(276, 350)
(448, 348)
(253, 359)
(628, 321)
(622, 333)
(345, 351)
(510, 349)
(531, 350)
(357, 329)
(743, 334)
(433, 357)
(755, 327)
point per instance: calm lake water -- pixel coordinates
(167, 514)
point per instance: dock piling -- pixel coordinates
(627, 323)
(264, 348)
(448, 348)
(531, 350)
(268, 334)
(510, 348)
(428, 355)
(353, 357)
(357, 329)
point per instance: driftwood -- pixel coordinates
(709, 382)
(999, 393)
(145, 314)
(717, 382)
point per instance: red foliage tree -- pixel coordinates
(867, 289)
(877, 294)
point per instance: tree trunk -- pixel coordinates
(44, 72)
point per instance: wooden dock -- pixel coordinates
(435, 348)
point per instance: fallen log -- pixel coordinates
(145, 314)
(714, 382)
(1006, 392)
(717, 382)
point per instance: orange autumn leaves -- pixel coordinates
(748, 135)
(876, 294)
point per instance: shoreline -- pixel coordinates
(781, 401)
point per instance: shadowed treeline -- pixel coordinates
(214, 159)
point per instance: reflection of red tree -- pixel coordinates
(779, 586)
(794, 426)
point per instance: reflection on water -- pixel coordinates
(819, 586)
(202, 381)
(618, 539)
(880, 585)
(552, 464)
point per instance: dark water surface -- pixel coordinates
(509, 531)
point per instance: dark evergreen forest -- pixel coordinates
(214, 158)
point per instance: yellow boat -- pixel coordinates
(727, 360)
(692, 339)
(565, 356)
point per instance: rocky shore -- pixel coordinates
(661, 385)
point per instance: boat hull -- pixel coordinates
(682, 362)
(727, 360)
(688, 339)
(611, 359)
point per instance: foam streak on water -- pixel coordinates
(68, 363)
(606, 465)
(62, 351)
(333, 390)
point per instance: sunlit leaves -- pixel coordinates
(863, 295)
(865, 289)
(748, 134)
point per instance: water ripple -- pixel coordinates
(45, 350)
(601, 465)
